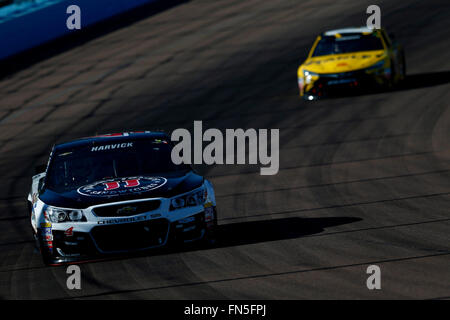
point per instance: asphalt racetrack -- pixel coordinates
(363, 180)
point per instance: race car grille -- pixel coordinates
(131, 236)
(129, 209)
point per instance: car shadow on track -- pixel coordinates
(411, 82)
(242, 233)
(424, 80)
(252, 232)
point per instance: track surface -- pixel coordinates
(363, 180)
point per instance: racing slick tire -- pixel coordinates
(210, 238)
(400, 71)
(402, 67)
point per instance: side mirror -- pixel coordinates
(40, 168)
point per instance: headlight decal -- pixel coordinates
(60, 215)
(192, 199)
(310, 76)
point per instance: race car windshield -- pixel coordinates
(346, 44)
(70, 170)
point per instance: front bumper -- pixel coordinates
(338, 84)
(106, 241)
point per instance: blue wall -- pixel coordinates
(46, 20)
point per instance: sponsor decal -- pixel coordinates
(46, 231)
(69, 232)
(122, 186)
(48, 238)
(126, 210)
(112, 146)
(157, 141)
(208, 204)
(46, 225)
(341, 81)
(48, 244)
(123, 220)
(209, 214)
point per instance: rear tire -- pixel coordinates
(400, 70)
(402, 66)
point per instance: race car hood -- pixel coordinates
(120, 190)
(343, 62)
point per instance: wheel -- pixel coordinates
(402, 66)
(210, 238)
(400, 70)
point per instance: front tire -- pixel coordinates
(210, 238)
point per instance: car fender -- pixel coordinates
(211, 197)
(33, 199)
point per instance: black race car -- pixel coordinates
(117, 193)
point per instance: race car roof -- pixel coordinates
(111, 137)
(347, 30)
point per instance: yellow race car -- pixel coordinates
(351, 59)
